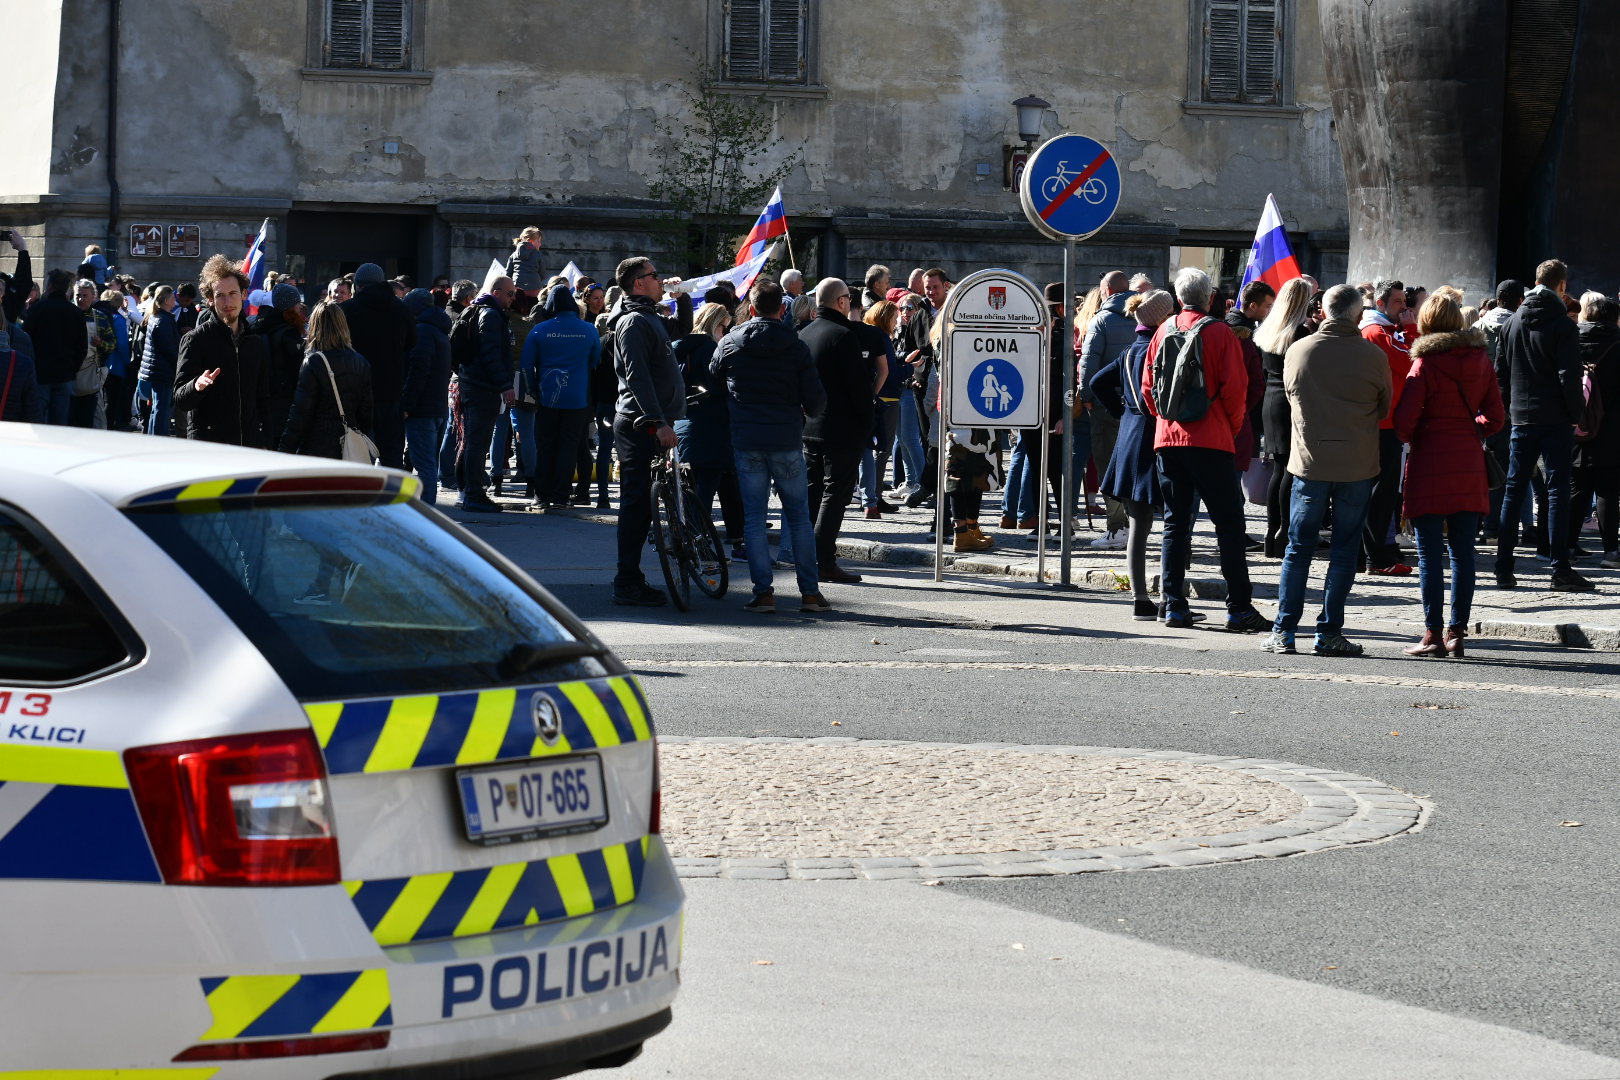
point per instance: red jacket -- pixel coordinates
(1450, 400)
(1225, 377)
(1395, 342)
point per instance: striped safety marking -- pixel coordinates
(428, 907)
(474, 728)
(68, 815)
(199, 1073)
(398, 489)
(282, 1006)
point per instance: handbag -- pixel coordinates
(91, 376)
(1495, 475)
(354, 446)
(5, 395)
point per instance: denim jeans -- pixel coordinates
(1187, 474)
(756, 471)
(423, 437)
(55, 398)
(1023, 481)
(1553, 444)
(161, 395)
(1458, 536)
(1308, 506)
(908, 442)
(524, 435)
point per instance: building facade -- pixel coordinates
(424, 134)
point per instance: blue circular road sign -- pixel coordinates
(996, 388)
(1070, 187)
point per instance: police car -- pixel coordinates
(298, 779)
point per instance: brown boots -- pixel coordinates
(969, 538)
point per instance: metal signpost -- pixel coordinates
(992, 371)
(1069, 190)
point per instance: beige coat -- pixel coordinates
(1338, 388)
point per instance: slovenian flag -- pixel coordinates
(253, 266)
(772, 223)
(1272, 260)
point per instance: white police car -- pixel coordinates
(297, 779)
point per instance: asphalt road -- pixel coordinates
(1483, 945)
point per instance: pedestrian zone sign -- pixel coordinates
(996, 378)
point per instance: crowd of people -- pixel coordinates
(1385, 414)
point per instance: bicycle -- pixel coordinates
(1094, 191)
(688, 546)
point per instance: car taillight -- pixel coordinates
(237, 810)
(655, 820)
(281, 1048)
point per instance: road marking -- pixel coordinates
(1602, 693)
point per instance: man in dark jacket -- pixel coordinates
(19, 391)
(278, 324)
(773, 384)
(383, 332)
(222, 380)
(20, 282)
(486, 382)
(424, 402)
(60, 342)
(652, 396)
(837, 435)
(1538, 365)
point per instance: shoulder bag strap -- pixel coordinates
(327, 364)
(6, 393)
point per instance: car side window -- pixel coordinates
(51, 630)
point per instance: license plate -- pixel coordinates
(502, 804)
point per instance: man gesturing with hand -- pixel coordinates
(222, 379)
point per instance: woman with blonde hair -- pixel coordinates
(315, 425)
(1450, 403)
(523, 265)
(1286, 324)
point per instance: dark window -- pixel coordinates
(367, 34)
(51, 630)
(766, 41)
(1243, 51)
(357, 598)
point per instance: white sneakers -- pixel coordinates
(1112, 540)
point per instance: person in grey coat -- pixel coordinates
(1109, 334)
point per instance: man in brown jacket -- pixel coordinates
(1338, 386)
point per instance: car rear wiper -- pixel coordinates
(525, 656)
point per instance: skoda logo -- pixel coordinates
(547, 721)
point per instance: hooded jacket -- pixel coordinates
(1381, 330)
(383, 332)
(650, 385)
(1338, 394)
(1538, 363)
(233, 408)
(560, 353)
(846, 361)
(1451, 399)
(425, 395)
(314, 426)
(772, 383)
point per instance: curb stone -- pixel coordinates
(1341, 810)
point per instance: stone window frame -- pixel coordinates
(808, 84)
(1197, 61)
(414, 70)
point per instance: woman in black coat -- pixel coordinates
(314, 426)
(1288, 322)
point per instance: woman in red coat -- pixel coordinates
(1450, 402)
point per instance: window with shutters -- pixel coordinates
(765, 41)
(1242, 52)
(367, 34)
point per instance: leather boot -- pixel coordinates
(1431, 645)
(1455, 635)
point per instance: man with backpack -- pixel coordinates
(481, 350)
(1195, 384)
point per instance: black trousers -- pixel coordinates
(479, 411)
(557, 436)
(1279, 504)
(1186, 475)
(637, 449)
(1386, 498)
(831, 470)
(388, 424)
(1602, 484)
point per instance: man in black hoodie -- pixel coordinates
(1538, 365)
(383, 332)
(222, 379)
(836, 436)
(60, 342)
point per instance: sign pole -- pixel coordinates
(1066, 543)
(942, 358)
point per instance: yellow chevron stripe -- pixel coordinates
(632, 707)
(491, 900)
(618, 868)
(59, 765)
(352, 887)
(410, 487)
(111, 1074)
(361, 1006)
(487, 731)
(242, 999)
(403, 733)
(593, 711)
(324, 719)
(407, 914)
(207, 489)
(571, 884)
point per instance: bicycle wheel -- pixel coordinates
(707, 563)
(667, 539)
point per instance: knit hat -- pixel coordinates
(285, 295)
(258, 298)
(368, 274)
(418, 301)
(1155, 307)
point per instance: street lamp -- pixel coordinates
(1031, 112)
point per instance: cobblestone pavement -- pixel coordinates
(774, 808)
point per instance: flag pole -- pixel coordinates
(788, 236)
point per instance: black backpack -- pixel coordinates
(464, 340)
(1180, 393)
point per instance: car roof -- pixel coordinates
(119, 466)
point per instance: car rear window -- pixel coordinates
(353, 599)
(51, 631)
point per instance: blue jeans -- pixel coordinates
(1186, 475)
(1020, 475)
(1308, 508)
(55, 398)
(756, 470)
(908, 443)
(522, 423)
(423, 438)
(1458, 530)
(1553, 444)
(161, 395)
